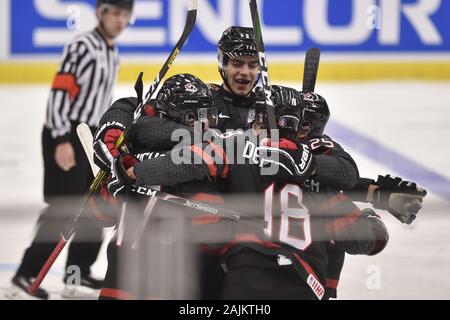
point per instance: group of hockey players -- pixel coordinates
(271, 212)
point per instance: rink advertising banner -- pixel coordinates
(365, 28)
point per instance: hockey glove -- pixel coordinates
(366, 235)
(284, 96)
(379, 231)
(120, 182)
(105, 144)
(292, 165)
(403, 199)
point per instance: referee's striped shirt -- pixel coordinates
(82, 88)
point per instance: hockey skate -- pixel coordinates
(87, 288)
(19, 290)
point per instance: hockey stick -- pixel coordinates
(65, 236)
(263, 65)
(311, 69)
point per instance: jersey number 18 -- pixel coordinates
(293, 226)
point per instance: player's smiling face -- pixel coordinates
(242, 74)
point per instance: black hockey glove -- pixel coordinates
(291, 165)
(403, 199)
(120, 182)
(367, 235)
(105, 144)
(379, 231)
(283, 96)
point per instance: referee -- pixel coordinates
(81, 92)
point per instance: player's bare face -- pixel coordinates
(114, 20)
(242, 73)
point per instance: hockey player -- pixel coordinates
(81, 91)
(298, 221)
(401, 198)
(183, 99)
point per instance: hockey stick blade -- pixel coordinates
(139, 88)
(263, 65)
(311, 69)
(85, 135)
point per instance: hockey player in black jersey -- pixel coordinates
(354, 232)
(182, 99)
(401, 198)
(290, 262)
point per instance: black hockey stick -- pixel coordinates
(311, 69)
(263, 65)
(65, 236)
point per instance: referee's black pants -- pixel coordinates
(63, 192)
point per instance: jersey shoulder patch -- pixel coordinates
(214, 87)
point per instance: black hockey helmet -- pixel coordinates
(236, 42)
(315, 113)
(125, 4)
(185, 98)
(288, 113)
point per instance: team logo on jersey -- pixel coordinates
(282, 122)
(309, 96)
(189, 87)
